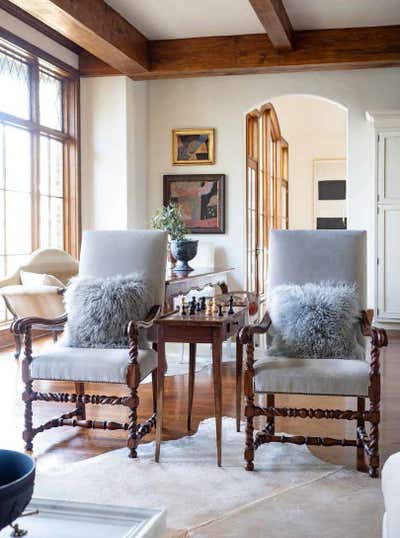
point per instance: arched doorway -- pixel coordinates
(267, 188)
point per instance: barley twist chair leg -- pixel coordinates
(133, 440)
(27, 394)
(249, 391)
(361, 464)
(270, 426)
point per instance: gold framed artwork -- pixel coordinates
(193, 146)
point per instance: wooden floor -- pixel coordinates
(67, 444)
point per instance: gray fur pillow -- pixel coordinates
(99, 309)
(317, 321)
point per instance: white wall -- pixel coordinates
(24, 31)
(315, 129)
(222, 102)
(152, 109)
(113, 153)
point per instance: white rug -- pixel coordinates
(291, 493)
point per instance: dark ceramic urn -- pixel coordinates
(17, 475)
(184, 250)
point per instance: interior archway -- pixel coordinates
(296, 172)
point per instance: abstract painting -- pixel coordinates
(202, 199)
(193, 146)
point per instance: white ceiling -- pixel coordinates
(170, 19)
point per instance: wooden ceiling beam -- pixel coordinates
(272, 15)
(352, 48)
(97, 28)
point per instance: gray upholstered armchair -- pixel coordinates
(103, 254)
(300, 257)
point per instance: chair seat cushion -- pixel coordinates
(312, 376)
(89, 364)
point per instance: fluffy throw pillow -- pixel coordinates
(99, 309)
(316, 321)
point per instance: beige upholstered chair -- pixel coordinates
(103, 254)
(35, 299)
(298, 257)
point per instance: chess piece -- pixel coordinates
(192, 308)
(198, 306)
(220, 313)
(230, 311)
(214, 306)
(209, 307)
(193, 302)
(203, 303)
(183, 308)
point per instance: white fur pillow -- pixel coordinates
(316, 321)
(99, 310)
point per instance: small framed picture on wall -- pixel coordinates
(202, 198)
(193, 146)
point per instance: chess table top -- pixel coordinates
(201, 318)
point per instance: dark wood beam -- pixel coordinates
(352, 48)
(273, 17)
(23, 16)
(95, 27)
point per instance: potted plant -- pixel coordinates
(180, 249)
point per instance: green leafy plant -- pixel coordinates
(170, 219)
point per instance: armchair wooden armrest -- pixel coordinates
(21, 325)
(378, 336)
(249, 331)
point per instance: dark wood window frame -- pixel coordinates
(36, 58)
(267, 187)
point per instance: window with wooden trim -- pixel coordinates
(267, 185)
(39, 175)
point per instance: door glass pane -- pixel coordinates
(18, 223)
(44, 180)
(51, 101)
(56, 226)
(56, 168)
(14, 84)
(17, 159)
(44, 221)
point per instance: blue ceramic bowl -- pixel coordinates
(17, 476)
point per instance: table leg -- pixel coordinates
(217, 381)
(192, 369)
(160, 393)
(239, 381)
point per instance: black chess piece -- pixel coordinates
(193, 302)
(203, 303)
(198, 306)
(231, 311)
(220, 314)
(192, 309)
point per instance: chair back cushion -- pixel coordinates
(302, 256)
(110, 253)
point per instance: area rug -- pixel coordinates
(291, 493)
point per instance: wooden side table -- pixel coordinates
(198, 329)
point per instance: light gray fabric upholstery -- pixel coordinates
(301, 256)
(89, 364)
(311, 376)
(110, 253)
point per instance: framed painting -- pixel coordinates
(193, 146)
(202, 198)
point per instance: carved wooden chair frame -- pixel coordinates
(77, 417)
(367, 444)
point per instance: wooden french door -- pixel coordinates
(267, 183)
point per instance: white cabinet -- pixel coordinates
(387, 130)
